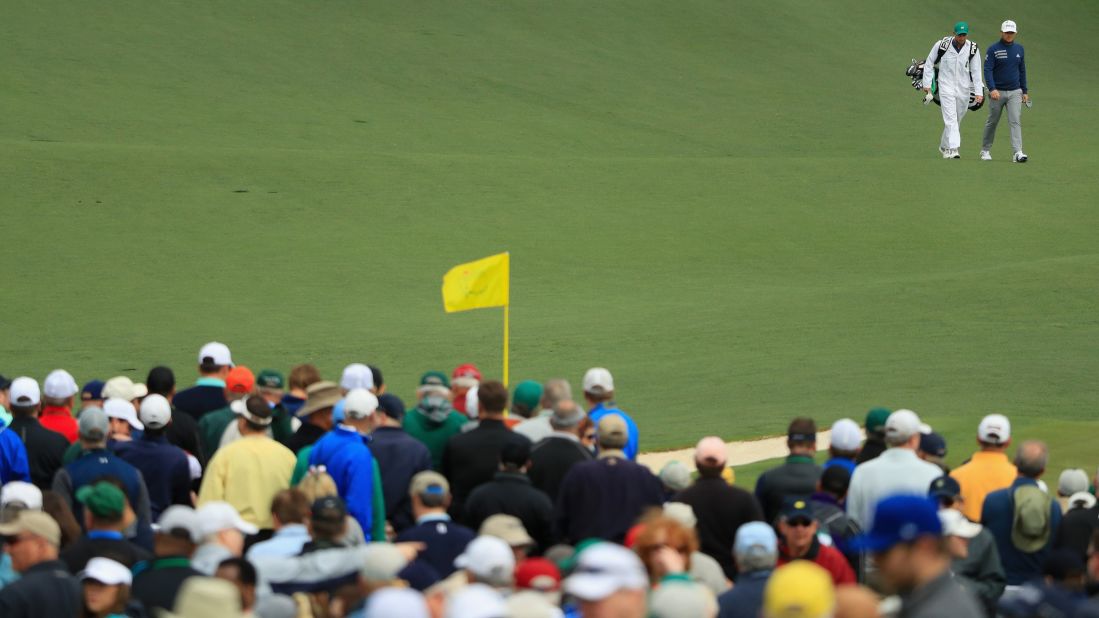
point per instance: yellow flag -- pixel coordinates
(476, 285)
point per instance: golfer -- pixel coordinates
(959, 79)
(1005, 74)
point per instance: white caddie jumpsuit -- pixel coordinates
(959, 77)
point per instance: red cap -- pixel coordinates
(468, 370)
(537, 574)
(632, 534)
(240, 380)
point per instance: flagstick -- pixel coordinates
(506, 309)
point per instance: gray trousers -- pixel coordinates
(1013, 100)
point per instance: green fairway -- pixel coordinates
(737, 207)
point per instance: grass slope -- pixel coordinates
(736, 206)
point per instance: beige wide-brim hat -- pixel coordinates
(319, 396)
(206, 597)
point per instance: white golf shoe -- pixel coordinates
(986, 155)
(1020, 157)
(948, 153)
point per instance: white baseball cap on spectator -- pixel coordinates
(476, 601)
(121, 387)
(24, 391)
(359, 404)
(122, 410)
(215, 353)
(106, 571)
(179, 517)
(956, 524)
(598, 381)
(60, 384)
(994, 429)
(902, 424)
(489, 558)
(217, 516)
(603, 569)
(156, 412)
(1071, 481)
(22, 492)
(679, 599)
(388, 602)
(357, 375)
(473, 403)
(846, 435)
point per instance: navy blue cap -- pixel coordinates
(944, 487)
(391, 405)
(4, 383)
(900, 519)
(797, 507)
(92, 390)
(329, 509)
(933, 444)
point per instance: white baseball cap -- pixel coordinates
(60, 384)
(603, 569)
(488, 558)
(23, 492)
(473, 403)
(994, 429)
(598, 381)
(956, 524)
(106, 571)
(121, 387)
(476, 601)
(24, 392)
(181, 517)
(156, 412)
(215, 353)
(902, 424)
(389, 602)
(360, 403)
(846, 435)
(1008, 26)
(123, 410)
(217, 516)
(357, 375)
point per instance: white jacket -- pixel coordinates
(959, 74)
(896, 471)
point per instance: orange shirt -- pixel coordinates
(984, 473)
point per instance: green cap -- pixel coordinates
(961, 28)
(875, 419)
(528, 394)
(435, 378)
(269, 378)
(102, 499)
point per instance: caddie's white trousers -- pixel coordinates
(954, 109)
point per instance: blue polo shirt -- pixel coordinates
(609, 407)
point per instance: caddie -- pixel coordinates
(959, 84)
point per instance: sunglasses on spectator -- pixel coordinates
(799, 522)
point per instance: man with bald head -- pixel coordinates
(556, 454)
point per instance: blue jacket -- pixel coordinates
(602, 410)
(344, 452)
(13, 457)
(997, 515)
(443, 541)
(92, 466)
(1005, 67)
(745, 599)
(399, 457)
(164, 467)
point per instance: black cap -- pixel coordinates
(377, 375)
(933, 444)
(160, 380)
(797, 507)
(329, 509)
(4, 383)
(515, 452)
(835, 480)
(391, 405)
(944, 487)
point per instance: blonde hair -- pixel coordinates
(318, 484)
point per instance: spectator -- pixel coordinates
(827, 504)
(875, 435)
(604, 497)
(675, 476)
(96, 463)
(755, 553)
(289, 511)
(242, 574)
(249, 472)
(5, 401)
(91, 395)
(1022, 517)
(472, 458)
(105, 518)
(208, 393)
(538, 427)
(486, 560)
(240, 382)
(106, 590)
(379, 381)
(1072, 481)
(56, 507)
(525, 401)
(721, 509)
(59, 390)
(433, 421)
(609, 580)
(300, 379)
(538, 578)
(932, 449)
(797, 531)
(980, 570)
(1060, 592)
(906, 541)
(703, 569)
(157, 583)
(665, 547)
(13, 457)
(1079, 523)
(510, 530)
(121, 387)
(958, 534)
(599, 394)
(45, 448)
(327, 524)
(843, 445)
(399, 457)
(183, 430)
(45, 588)
(389, 602)
(678, 599)
(800, 589)
(315, 415)
(122, 421)
(443, 540)
(989, 468)
(269, 385)
(223, 532)
(464, 377)
(166, 471)
(896, 471)
(207, 597)
(357, 375)
(558, 452)
(797, 476)
(510, 493)
(317, 484)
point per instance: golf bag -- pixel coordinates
(916, 69)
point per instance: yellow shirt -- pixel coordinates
(247, 474)
(983, 474)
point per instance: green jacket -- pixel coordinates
(212, 426)
(301, 468)
(433, 435)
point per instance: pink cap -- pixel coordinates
(711, 450)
